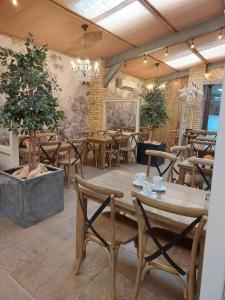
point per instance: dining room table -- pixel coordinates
(102, 141)
(174, 194)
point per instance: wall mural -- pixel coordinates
(121, 113)
(72, 99)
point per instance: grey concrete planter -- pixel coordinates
(30, 201)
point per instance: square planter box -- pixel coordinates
(29, 201)
(143, 159)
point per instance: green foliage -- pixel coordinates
(28, 90)
(153, 111)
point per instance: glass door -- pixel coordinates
(213, 93)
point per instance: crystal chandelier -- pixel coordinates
(85, 70)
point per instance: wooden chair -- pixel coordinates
(203, 168)
(113, 149)
(73, 157)
(160, 154)
(160, 248)
(130, 147)
(108, 229)
(48, 152)
(182, 153)
(202, 147)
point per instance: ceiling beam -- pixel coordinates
(158, 15)
(110, 74)
(170, 40)
(166, 23)
(186, 72)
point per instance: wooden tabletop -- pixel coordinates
(175, 193)
(50, 148)
(100, 138)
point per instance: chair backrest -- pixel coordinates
(49, 152)
(87, 191)
(181, 152)
(101, 132)
(141, 202)
(76, 150)
(203, 167)
(160, 154)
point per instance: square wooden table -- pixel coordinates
(175, 193)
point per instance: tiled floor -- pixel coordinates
(38, 262)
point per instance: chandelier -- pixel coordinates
(85, 70)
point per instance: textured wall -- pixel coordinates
(98, 95)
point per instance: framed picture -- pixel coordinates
(121, 114)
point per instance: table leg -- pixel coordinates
(102, 155)
(181, 176)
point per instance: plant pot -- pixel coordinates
(29, 201)
(143, 159)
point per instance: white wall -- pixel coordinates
(213, 276)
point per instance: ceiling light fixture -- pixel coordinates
(166, 53)
(14, 2)
(192, 44)
(206, 72)
(85, 70)
(220, 34)
(145, 59)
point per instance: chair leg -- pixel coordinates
(113, 255)
(81, 170)
(138, 279)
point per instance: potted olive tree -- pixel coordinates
(153, 115)
(153, 111)
(29, 106)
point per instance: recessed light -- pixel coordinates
(14, 2)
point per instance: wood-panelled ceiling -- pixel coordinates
(114, 27)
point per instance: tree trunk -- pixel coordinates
(32, 150)
(150, 132)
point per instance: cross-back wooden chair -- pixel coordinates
(113, 149)
(130, 147)
(48, 152)
(168, 171)
(182, 153)
(202, 146)
(73, 157)
(109, 229)
(160, 248)
(204, 168)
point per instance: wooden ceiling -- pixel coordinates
(126, 25)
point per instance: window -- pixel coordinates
(213, 93)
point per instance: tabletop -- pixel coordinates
(175, 194)
(100, 138)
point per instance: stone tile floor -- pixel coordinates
(38, 262)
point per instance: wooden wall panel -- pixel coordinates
(164, 134)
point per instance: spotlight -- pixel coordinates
(220, 34)
(206, 73)
(14, 2)
(166, 53)
(145, 59)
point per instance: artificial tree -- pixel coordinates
(153, 111)
(28, 90)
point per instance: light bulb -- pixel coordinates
(14, 2)
(192, 44)
(166, 53)
(145, 59)
(220, 34)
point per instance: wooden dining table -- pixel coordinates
(175, 194)
(102, 141)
